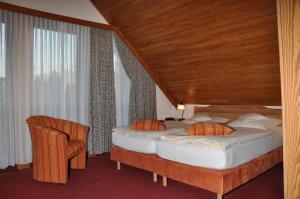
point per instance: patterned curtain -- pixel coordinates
(142, 102)
(102, 93)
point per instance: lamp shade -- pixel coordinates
(180, 106)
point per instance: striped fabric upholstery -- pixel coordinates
(209, 128)
(75, 146)
(148, 125)
(54, 142)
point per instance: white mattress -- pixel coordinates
(203, 156)
(139, 141)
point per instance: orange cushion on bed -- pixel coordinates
(148, 125)
(208, 128)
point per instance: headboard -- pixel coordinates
(235, 111)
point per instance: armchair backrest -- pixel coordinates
(72, 129)
(42, 120)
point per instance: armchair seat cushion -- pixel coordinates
(74, 147)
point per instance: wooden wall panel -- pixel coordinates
(205, 52)
(289, 42)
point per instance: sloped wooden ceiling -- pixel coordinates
(205, 51)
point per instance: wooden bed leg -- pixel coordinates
(119, 165)
(154, 177)
(165, 181)
(219, 196)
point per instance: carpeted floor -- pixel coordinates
(102, 180)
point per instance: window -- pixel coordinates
(122, 89)
(2, 51)
(54, 52)
(54, 72)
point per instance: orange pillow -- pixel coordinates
(209, 128)
(148, 125)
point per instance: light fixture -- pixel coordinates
(181, 106)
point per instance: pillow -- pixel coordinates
(208, 128)
(275, 121)
(148, 125)
(269, 123)
(253, 117)
(189, 121)
(248, 124)
(217, 119)
(174, 124)
(201, 117)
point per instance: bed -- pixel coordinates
(140, 141)
(124, 140)
(218, 175)
(204, 152)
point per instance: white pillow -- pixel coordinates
(247, 124)
(174, 124)
(217, 119)
(275, 121)
(269, 123)
(253, 117)
(189, 121)
(201, 117)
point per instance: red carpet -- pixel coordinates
(102, 180)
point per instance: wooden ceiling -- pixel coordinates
(205, 51)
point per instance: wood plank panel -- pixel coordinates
(207, 51)
(289, 42)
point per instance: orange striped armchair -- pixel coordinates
(55, 142)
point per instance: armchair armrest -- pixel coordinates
(43, 136)
(50, 147)
(81, 132)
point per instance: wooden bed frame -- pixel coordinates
(217, 181)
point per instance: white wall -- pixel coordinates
(80, 9)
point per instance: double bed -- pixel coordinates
(216, 166)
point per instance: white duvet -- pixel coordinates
(218, 152)
(126, 131)
(240, 136)
(139, 141)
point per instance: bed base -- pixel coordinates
(217, 181)
(138, 160)
(154, 174)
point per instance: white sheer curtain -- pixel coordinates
(122, 90)
(7, 152)
(44, 69)
(59, 82)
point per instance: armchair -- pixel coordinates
(55, 142)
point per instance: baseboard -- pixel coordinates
(23, 166)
